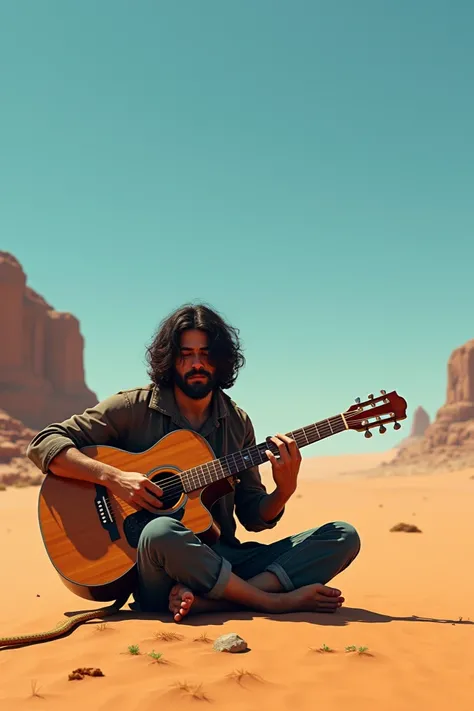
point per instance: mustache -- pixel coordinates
(197, 372)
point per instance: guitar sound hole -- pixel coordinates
(172, 488)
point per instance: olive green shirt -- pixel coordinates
(134, 420)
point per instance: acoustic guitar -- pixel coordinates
(91, 535)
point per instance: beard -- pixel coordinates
(197, 390)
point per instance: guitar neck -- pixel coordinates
(232, 464)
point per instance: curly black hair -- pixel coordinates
(225, 350)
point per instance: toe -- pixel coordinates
(330, 592)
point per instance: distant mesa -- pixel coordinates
(420, 423)
(448, 442)
(41, 354)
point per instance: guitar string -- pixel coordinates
(176, 480)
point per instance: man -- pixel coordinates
(193, 358)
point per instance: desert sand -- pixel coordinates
(409, 600)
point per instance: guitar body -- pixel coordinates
(91, 536)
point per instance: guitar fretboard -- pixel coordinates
(232, 464)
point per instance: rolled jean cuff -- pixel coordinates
(282, 576)
(222, 579)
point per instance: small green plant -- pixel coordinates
(325, 648)
(134, 649)
(157, 657)
(359, 650)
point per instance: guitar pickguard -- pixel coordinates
(134, 524)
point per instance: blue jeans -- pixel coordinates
(168, 552)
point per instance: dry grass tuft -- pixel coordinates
(194, 690)
(35, 690)
(168, 636)
(240, 674)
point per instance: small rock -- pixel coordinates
(406, 528)
(230, 643)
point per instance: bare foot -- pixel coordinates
(314, 598)
(180, 601)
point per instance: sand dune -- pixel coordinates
(405, 595)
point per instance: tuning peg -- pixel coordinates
(396, 426)
(368, 434)
(382, 429)
(357, 400)
(383, 392)
(370, 397)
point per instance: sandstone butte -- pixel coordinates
(448, 442)
(419, 425)
(41, 367)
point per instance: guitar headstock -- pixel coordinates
(376, 412)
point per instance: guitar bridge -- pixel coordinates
(104, 511)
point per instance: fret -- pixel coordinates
(236, 462)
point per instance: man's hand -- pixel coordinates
(285, 468)
(135, 489)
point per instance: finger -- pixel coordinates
(139, 501)
(271, 457)
(154, 488)
(293, 448)
(282, 449)
(151, 499)
(140, 505)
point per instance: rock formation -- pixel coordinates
(448, 442)
(15, 468)
(454, 423)
(421, 421)
(419, 425)
(41, 354)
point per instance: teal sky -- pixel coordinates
(305, 167)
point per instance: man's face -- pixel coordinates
(194, 375)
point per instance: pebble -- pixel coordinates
(230, 643)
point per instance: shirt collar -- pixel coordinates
(163, 400)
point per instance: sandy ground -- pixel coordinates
(405, 596)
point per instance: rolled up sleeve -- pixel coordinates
(104, 424)
(250, 491)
